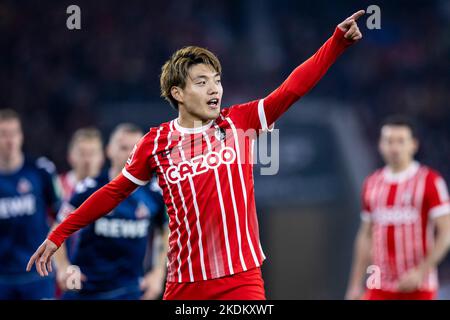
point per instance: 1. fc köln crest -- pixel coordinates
(24, 186)
(142, 211)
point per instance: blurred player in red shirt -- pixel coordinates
(405, 228)
(85, 157)
(203, 161)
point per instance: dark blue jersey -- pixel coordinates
(27, 197)
(110, 251)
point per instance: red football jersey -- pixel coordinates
(402, 207)
(206, 175)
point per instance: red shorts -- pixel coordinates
(247, 285)
(375, 294)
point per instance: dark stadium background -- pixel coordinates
(107, 72)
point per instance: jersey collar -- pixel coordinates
(397, 177)
(192, 130)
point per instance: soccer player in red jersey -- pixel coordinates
(203, 163)
(405, 228)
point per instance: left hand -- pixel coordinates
(411, 280)
(42, 257)
(350, 27)
(152, 284)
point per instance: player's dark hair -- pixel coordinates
(88, 133)
(9, 114)
(175, 71)
(401, 121)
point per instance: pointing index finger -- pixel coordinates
(356, 15)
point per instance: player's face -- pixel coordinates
(120, 147)
(202, 95)
(86, 157)
(397, 145)
(11, 138)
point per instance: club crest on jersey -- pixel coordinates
(220, 134)
(200, 164)
(142, 211)
(24, 186)
(165, 153)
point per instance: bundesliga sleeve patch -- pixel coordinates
(130, 158)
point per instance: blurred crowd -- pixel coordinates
(59, 79)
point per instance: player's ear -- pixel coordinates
(177, 93)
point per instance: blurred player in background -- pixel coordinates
(29, 200)
(405, 227)
(85, 157)
(202, 163)
(110, 253)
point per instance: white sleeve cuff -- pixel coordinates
(366, 216)
(440, 210)
(262, 117)
(133, 179)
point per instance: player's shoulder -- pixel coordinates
(224, 112)
(429, 171)
(157, 132)
(374, 176)
(236, 108)
(90, 184)
(432, 175)
(41, 164)
(85, 185)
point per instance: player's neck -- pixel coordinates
(10, 164)
(400, 167)
(190, 121)
(79, 176)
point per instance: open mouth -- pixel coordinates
(213, 103)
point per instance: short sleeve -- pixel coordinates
(138, 169)
(250, 115)
(437, 197)
(365, 203)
